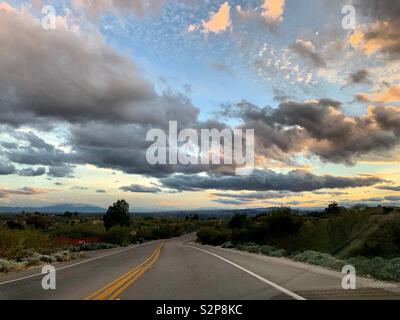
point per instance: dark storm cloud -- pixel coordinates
(254, 195)
(296, 181)
(65, 171)
(6, 169)
(360, 77)
(385, 25)
(140, 189)
(392, 198)
(30, 172)
(390, 188)
(229, 202)
(320, 128)
(79, 188)
(93, 81)
(307, 51)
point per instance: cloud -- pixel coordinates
(382, 34)
(7, 169)
(79, 188)
(306, 50)
(392, 198)
(26, 191)
(65, 171)
(389, 94)
(108, 87)
(254, 195)
(391, 188)
(101, 191)
(221, 67)
(263, 180)
(140, 8)
(360, 77)
(318, 127)
(218, 21)
(30, 172)
(229, 202)
(273, 10)
(140, 189)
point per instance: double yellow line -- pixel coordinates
(114, 289)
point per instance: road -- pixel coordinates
(180, 269)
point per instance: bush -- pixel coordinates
(277, 253)
(228, 245)
(95, 246)
(320, 259)
(266, 249)
(80, 231)
(11, 265)
(367, 266)
(47, 259)
(213, 236)
(14, 243)
(391, 271)
(118, 235)
(63, 256)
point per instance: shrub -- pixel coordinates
(320, 259)
(47, 259)
(391, 271)
(80, 231)
(266, 249)
(118, 235)
(238, 221)
(96, 246)
(367, 266)
(213, 236)
(277, 253)
(228, 245)
(14, 243)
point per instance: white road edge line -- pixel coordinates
(276, 286)
(75, 264)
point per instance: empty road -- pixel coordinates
(179, 269)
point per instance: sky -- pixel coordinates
(319, 84)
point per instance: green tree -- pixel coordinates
(238, 221)
(117, 214)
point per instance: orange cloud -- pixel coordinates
(273, 10)
(7, 8)
(391, 94)
(27, 191)
(381, 36)
(219, 21)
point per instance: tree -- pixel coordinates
(238, 221)
(117, 214)
(333, 208)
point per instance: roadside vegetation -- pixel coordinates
(367, 238)
(28, 240)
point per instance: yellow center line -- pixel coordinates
(128, 277)
(120, 290)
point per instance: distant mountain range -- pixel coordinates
(59, 208)
(89, 209)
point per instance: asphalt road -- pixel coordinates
(180, 269)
